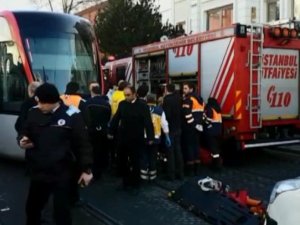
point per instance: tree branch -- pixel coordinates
(50, 4)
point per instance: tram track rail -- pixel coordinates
(98, 214)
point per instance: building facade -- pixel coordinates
(201, 15)
(91, 12)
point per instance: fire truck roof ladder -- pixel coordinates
(255, 55)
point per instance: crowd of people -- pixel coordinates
(70, 140)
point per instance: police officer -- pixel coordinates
(54, 137)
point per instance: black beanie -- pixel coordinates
(47, 93)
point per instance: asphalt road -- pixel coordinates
(13, 188)
(258, 171)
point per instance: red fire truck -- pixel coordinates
(117, 70)
(253, 72)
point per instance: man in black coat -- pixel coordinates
(97, 113)
(172, 108)
(26, 105)
(131, 120)
(55, 138)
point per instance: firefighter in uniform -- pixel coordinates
(193, 108)
(213, 130)
(55, 139)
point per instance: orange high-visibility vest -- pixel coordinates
(217, 117)
(71, 100)
(197, 107)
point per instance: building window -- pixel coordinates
(180, 28)
(193, 19)
(273, 10)
(220, 17)
(297, 9)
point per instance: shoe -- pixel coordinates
(169, 177)
(216, 164)
(190, 170)
(197, 169)
(133, 191)
(180, 177)
(122, 187)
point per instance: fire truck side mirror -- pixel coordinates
(240, 30)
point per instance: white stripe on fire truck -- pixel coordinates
(228, 50)
(227, 89)
(224, 75)
(128, 72)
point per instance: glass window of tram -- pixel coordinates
(58, 57)
(13, 85)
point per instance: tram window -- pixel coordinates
(62, 58)
(120, 72)
(13, 85)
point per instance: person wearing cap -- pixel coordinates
(72, 97)
(55, 139)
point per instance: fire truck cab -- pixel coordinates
(252, 71)
(117, 70)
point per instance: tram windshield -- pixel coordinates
(59, 55)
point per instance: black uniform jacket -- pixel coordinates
(172, 106)
(132, 119)
(25, 107)
(97, 113)
(60, 139)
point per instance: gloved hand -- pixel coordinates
(199, 127)
(167, 141)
